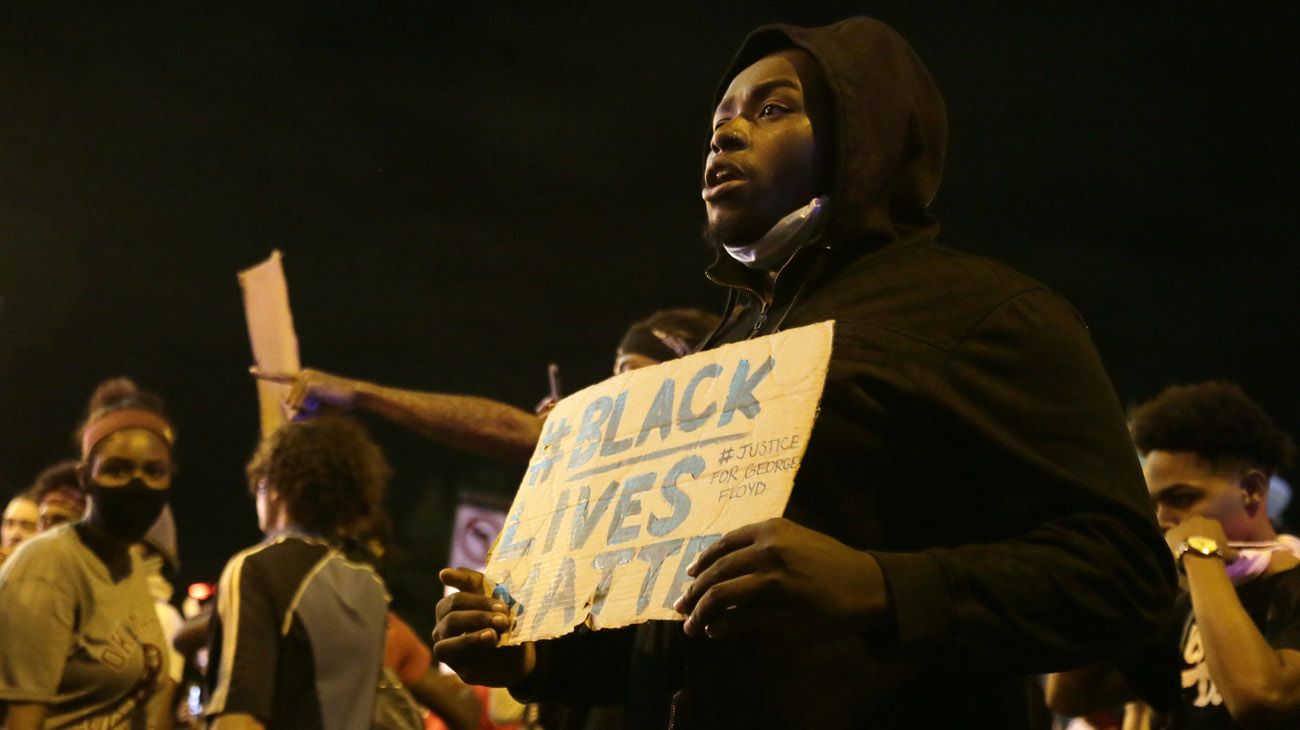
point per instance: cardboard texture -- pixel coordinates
(635, 476)
(270, 330)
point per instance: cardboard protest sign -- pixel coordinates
(270, 329)
(635, 476)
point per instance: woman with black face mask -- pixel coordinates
(81, 645)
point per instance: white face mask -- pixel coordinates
(1253, 557)
(152, 565)
(789, 233)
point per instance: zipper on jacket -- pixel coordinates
(672, 710)
(762, 319)
(769, 301)
(765, 302)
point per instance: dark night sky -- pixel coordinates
(466, 193)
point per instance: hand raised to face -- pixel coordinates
(1198, 526)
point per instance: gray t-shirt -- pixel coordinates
(75, 639)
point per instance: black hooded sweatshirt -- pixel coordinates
(968, 438)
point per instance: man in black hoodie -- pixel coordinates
(969, 511)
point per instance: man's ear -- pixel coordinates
(1254, 491)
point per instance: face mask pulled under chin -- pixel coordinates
(127, 512)
(782, 239)
(1253, 558)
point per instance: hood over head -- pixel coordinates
(889, 125)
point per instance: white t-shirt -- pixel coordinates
(83, 642)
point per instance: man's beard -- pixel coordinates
(711, 240)
(742, 232)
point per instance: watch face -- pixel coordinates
(1203, 545)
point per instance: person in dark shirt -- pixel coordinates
(1229, 655)
(969, 510)
(298, 638)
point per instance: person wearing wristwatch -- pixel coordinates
(1230, 654)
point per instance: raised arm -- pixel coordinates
(1259, 683)
(468, 423)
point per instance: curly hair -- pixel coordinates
(328, 471)
(1214, 420)
(60, 475)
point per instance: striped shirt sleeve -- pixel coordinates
(246, 642)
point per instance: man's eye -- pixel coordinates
(769, 110)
